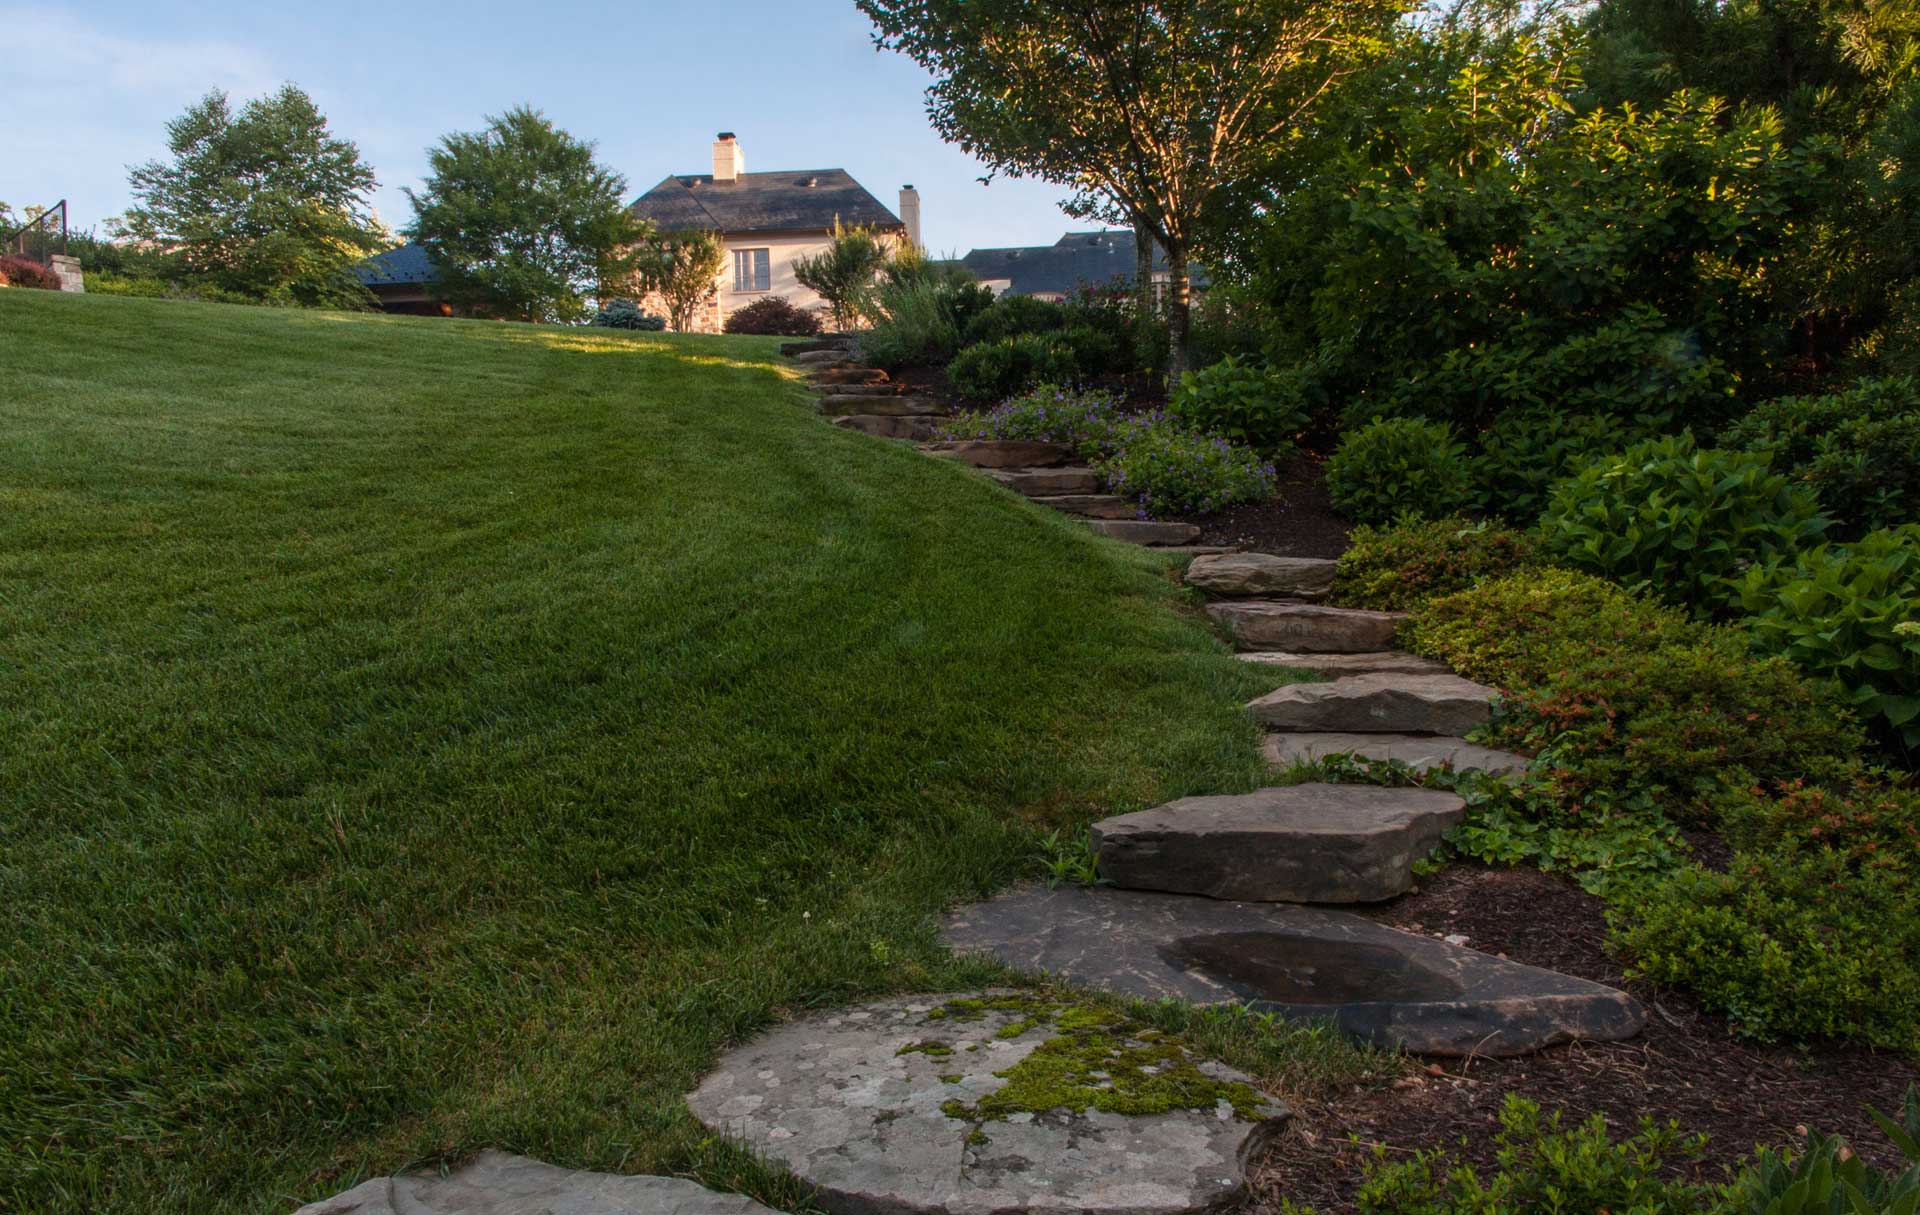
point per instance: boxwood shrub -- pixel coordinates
(1400, 466)
(995, 370)
(1248, 404)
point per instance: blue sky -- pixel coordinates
(89, 88)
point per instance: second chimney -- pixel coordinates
(729, 162)
(910, 213)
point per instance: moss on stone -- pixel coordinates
(952, 1078)
(931, 1047)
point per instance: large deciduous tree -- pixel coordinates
(521, 222)
(267, 202)
(1147, 109)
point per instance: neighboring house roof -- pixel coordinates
(396, 267)
(799, 200)
(1078, 259)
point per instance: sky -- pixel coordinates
(89, 89)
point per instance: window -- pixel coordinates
(752, 270)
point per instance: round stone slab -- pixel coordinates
(495, 1183)
(1312, 843)
(987, 1103)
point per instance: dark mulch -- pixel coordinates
(1298, 521)
(1686, 1067)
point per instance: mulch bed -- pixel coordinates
(1686, 1067)
(1299, 521)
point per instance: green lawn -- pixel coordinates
(429, 735)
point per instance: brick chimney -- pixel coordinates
(910, 213)
(729, 162)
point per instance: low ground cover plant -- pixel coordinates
(1404, 564)
(772, 316)
(1400, 466)
(1091, 422)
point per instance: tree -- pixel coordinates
(843, 273)
(1145, 108)
(683, 269)
(521, 222)
(267, 202)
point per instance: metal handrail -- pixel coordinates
(17, 245)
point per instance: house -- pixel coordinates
(766, 220)
(398, 279)
(1075, 261)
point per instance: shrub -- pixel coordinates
(1858, 450)
(1096, 352)
(625, 314)
(23, 272)
(774, 316)
(1396, 466)
(1239, 401)
(1168, 470)
(1092, 422)
(1527, 450)
(1015, 316)
(918, 315)
(1829, 1176)
(1401, 566)
(1678, 520)
(1543, 1167)
(1853, 615)
(991, 371)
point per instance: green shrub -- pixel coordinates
(1850, 614)
(994, 370)
(1015, 316)
(625, 314)
(1790, 944)
(1543, 1167)
(917, 316)
(1092, 422)
(1527, 450)
(1396, 466)
(1858, 450)
(1247, 404)
(1828, 1176)
(1170, 471)
(1670, 517)
(1401, 566)
(772, 316)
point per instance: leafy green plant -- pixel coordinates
(993, 370)
(1167, 470)
(1526, 450)
(1857, 449)
(1015, 316)
(1404, 564)
(1399, 466)
(1850, 614)
(1829, 1177)
(1676, 519)
(625, 314)
(918, 312)
(1092, 422)
(1070, 859)
(843, 273)
(1242, 402)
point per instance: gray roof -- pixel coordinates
(407, 264)
(1078, 259)
(797, 200)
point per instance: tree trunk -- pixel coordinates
(1179, 311)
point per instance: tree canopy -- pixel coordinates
(521, 222)
(267, 202)
(683, 269)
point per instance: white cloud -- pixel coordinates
(83, 55)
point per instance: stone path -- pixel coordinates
(495, 1183)
(990, 1102)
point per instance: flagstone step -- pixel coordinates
(1421, 752)
(886, 389)
(879, 406)
(495, 1183)
(814, 345)
(917, 1105)
(1310, 843)
(1092, 506)
(1255, 575)
(1145, 531)
(886, 427)
(1044, 482)
(1002, 453)
(1375, 983)
(850, 375)
(823, 360)
(1378, 662)
(1378, 704)
(1305, 627)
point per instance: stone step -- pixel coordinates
(1378, 662)
(814, 345)
(824, 360)
(891, 1108)
(850, 375)
(877, 406)
(1391, 988)
(1091, 506)
(1305, 627)
(494, 1183)
(885, 427)
(886, 389)
(1378, 704)
(1421, 752)
(1309, 843)
(1145, 531)
(1044, 482)
(1002, 453)
(1244, 575)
